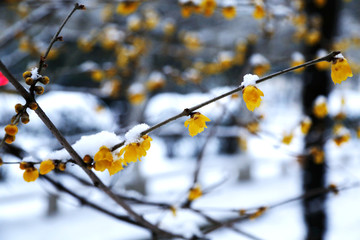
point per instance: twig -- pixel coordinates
(84, 201)
(56, 36)
(188, 111)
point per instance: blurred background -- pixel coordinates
(122, 63)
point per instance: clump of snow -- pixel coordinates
(249, 79)
(339, 56)
(225, 56)
(156, 76)
(133, 135)
(297, 57)
(34, 73)
(88, 65)
(306, 119)
(320, 99)
(258, 59)
(321, 53)
(88, 145)
(136, 88)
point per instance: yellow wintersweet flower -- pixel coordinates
(208, 7)
(195, 193)
(103, 159)
(305, 125)
(287, 138)
(342, 135)
(320, 108)
(134, 151)
(229, 12)
(252, 97)
(30, 174)
(260, 211)
(259, 11)
(297, 59)
(115, 167)
(340, 69)
(318, 155)
(46, 166)
(127, 7)
(196, 123)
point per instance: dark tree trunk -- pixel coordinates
(317, 83)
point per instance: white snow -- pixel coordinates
(320, 99)
(297, 56)
(321, 53)
(258, 59)
(34, 73)
(133, 135)
(156, 76)
(136, 88)
(249, 79)
(340, 56)
(88, 145)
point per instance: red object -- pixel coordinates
(3, 79)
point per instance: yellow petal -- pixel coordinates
(340, 70)
(46, 167)
(30, 174)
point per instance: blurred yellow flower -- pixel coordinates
(195, 193)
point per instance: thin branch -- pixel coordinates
(86, 202)
(188, 111)
(56, 36)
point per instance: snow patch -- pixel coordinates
(133, 135)
(249, 79)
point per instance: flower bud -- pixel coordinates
(9, 139)
(44, 80)
(29, 81)
(33, 106)
(26, 74)
(11, 129)
(18, 108)
(25, 118)
(39, 90)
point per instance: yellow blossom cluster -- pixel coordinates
(340, 69)
(105, 159)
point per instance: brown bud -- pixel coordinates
(62, 166)
(25, 118)
(18, 108)
(23, 165)
(39, 90)
(87, 159)
(26, 74)
(60, 38)
(33, 106)
(45, 80)
(9, 139)
(1, 161)
(29, 81)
